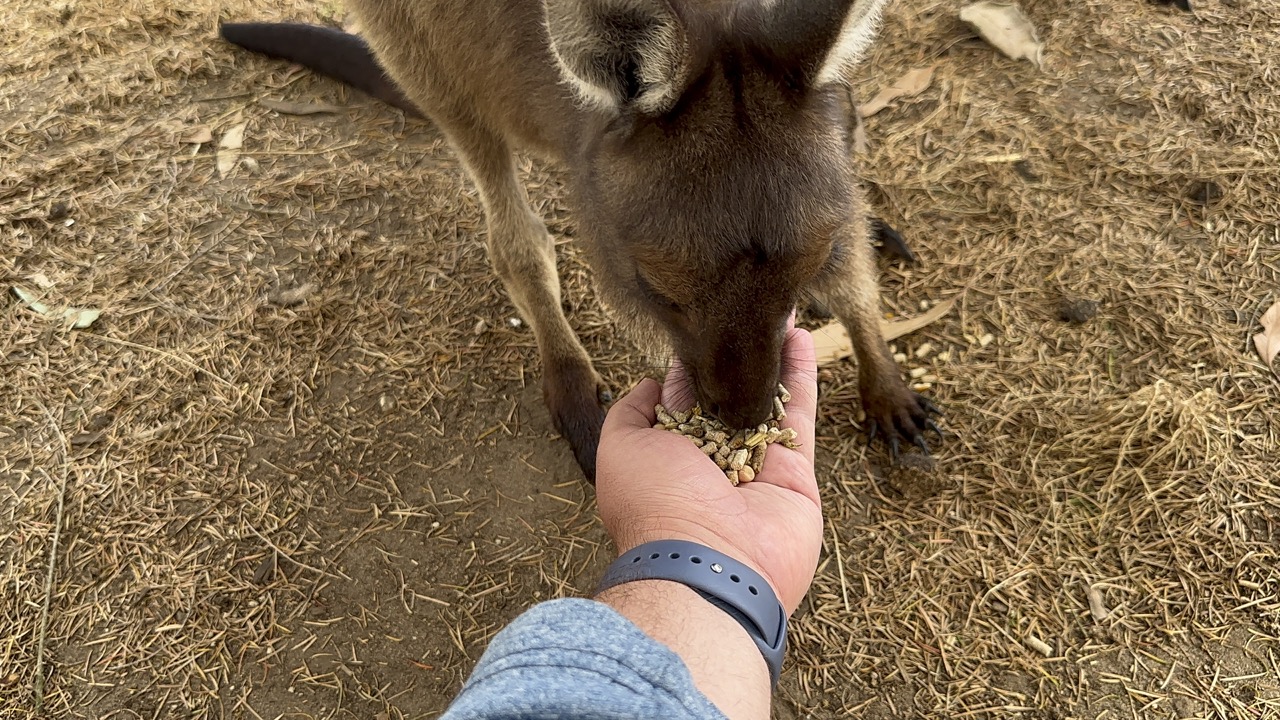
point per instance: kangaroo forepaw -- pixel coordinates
(898, 415)
(892, 244)
(577, 400)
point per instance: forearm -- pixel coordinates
(725, 664)
(574, 658)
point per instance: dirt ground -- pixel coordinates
(299, 467)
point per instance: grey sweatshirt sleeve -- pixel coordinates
(576, 658)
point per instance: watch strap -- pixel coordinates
(724, 582)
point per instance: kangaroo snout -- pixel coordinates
(737, 409)
(739, 391)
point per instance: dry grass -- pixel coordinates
(250, 508)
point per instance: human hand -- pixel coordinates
(652, 484)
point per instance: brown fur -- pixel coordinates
(706, 152)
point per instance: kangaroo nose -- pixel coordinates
(746, 414)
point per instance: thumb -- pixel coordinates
(635, 409)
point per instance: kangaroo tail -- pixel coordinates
(339, 55)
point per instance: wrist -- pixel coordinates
(721, 657)
(694, 533)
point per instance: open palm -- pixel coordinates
(652, 484)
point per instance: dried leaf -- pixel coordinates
(229, 148)
(296, 108)
(1097, 605)
(75, 317)
(1007, 28)
(832, 342)
(294, 296)
(198, 135)
(1268, 341)
(898, 328)
(912, 83)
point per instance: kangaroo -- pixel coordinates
(706, 149)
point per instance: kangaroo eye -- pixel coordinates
(655, 296)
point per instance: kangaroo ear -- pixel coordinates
(820, 39)
(618, 54)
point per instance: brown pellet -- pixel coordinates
(739, 453)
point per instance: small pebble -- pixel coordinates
(59, 211)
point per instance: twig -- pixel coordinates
(844, 587)
(38, 689)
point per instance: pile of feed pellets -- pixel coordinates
(739, 453)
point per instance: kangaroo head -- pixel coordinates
(712, 185)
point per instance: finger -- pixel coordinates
(800, 377)
(634, 410)
(677, 390)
